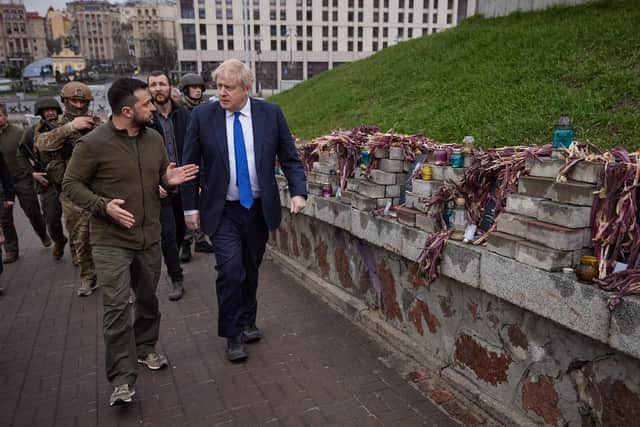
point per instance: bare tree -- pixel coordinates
(157, 53)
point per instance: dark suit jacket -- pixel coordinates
(207, 140)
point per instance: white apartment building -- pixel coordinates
(297, 39)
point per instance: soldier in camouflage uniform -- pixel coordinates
(193, 90)
(48, 110)
(56, 147)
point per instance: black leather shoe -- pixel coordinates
(236, 351)
(185, 252)
(204, 246)
(251, 333)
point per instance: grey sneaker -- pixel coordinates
(121, 394)
(86, 287)
(154, 361)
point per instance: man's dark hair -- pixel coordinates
(157, 73)
(3, 108)
(121, 93)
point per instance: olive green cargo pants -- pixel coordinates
(119, 270)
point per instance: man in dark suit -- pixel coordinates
(235, 141)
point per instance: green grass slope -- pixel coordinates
(505, 80)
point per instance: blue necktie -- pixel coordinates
(242, 165)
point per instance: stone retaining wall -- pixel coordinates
(539, 345)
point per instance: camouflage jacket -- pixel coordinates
(56, 146)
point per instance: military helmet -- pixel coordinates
(45, 103)
(76, 90)
(191, 79)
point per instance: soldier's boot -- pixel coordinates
(58, 249)
(87, 286)
(46, 241)
(176, 291)
(10, 257)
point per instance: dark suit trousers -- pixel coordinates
(239, 244)
(172, 225)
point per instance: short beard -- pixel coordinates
(139, 122)
(166, 99)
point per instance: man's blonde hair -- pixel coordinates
(234, 69)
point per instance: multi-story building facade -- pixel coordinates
(297, 39)
(153, 29)
(37, 35)
(96, 26)
(15, 49)
(58, 24)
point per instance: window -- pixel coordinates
(400, 33)
(360, 16)
(351, 3)
(435, 4)
(434, 18)
(283, 14)
(256, 30)
(309, 15)
(410, 18)
(298, 15)
(203, 30)
(325, 31)
(274, 45)
(450, 4)
(283, 30)
(410, 33)
(359, 46)
(334, 31)
(283, 45)
(203, 45)
(400, 17)
(230, 44)
(229, 30)
(385, 17)
(376, 3)
(309, 45)
(350, 31)
(325, 46)
(375, 32)
(334, 46)
(350, 46)
(309, 32)
(334, 16)
(425, 17)
(401, 4)
(449, 18)
(376, 17)
(202, 13)
(188, 36)
(359, 31)
(186, 9)
(299, 45)
(374, 46)
(274, 30)
(350, 16)
(385, 32)
(325, 16)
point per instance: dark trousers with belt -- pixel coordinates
(239, 244)
(173, 226)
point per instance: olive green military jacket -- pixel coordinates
(107, 165)
(9, 139)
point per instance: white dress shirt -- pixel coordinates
(247, 131)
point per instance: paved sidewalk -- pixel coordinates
(313, 368)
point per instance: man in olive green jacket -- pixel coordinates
(10, 136)
(115, 173)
